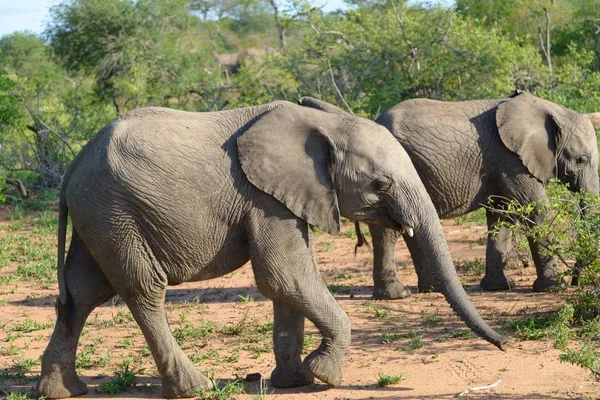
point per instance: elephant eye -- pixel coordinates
(382, 185)
(582, 160)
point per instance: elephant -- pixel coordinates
(159, 197)
(465, 152)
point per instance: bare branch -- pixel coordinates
(278, 23)
(412, 49)
(19, 185)
(338, 89)
(545, 44)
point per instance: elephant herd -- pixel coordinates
(159, 197)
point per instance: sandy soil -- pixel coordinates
(441, 364)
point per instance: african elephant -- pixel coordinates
(159, 197)
(466, 152)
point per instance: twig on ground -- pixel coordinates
(461, 394)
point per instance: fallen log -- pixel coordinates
(19, 185)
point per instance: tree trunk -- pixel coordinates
(278, 23)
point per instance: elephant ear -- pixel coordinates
(320, 105)
(531, 127)
(288, 154)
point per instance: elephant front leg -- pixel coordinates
(427, 279)
(286, 272)
(386, 284)
(288, 340)
(497, 253)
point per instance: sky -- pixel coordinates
(20, 15)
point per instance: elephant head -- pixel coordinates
(552, 141)
(321, 162)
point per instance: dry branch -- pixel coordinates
(461, 394)
(19, 185)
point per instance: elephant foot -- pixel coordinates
(291, 377)
(545, 284)
(55, 384)
(185, 384)
(325, 367)
(390, 290)
(490, 283)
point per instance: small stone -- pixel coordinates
(255, 376)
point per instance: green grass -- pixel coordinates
(338, 289)
(236, 329)
(30, 326)
(122, 318)
(25, 364)
(17, 395)
(415, 343)
(382, 313)
(534, 328)
(222, 392)
(387, 380)
(390, 337)
(247, 298)
(188, 332)
(475, 267)
(124, 379)
(326, 246)
(432, 321)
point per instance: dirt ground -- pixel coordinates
(224, 327)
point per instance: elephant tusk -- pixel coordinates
(410, 232)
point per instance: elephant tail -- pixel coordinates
(63, 212)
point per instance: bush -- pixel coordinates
(572, 234)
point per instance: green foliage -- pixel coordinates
(124, 379)
(570, 235)
(100, 59)
(474, 267)
(222, 392)
(189, 332)
(387, 380)
(534, 328)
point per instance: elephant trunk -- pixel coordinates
(430, 237)
(591, 186)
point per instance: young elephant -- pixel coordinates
(466, 152)
(160, 197)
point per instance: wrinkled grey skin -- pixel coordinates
(160, 197)
(466, 152)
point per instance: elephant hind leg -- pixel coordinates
(144, 290)
(87, 288)
(288, 340)
(497, 253)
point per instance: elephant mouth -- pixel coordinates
(380, 214)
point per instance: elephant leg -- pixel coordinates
(87, 288)
(427, 279)
(548, 277)
(286, 272)
(288, 335)
(144, 291)
(497, 252)
(386, 284)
